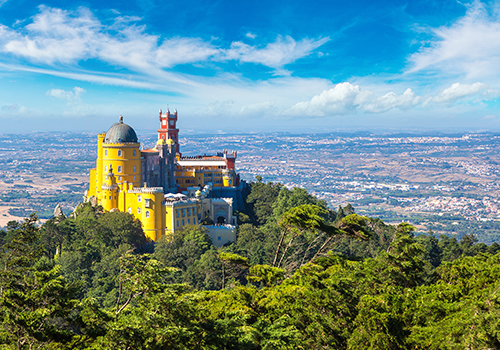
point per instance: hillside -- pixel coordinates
(299, 276)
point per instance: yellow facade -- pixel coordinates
(190, 177)
(180, 213)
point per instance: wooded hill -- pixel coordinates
(300, 276)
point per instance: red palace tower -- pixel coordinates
(168, 128)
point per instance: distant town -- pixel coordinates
(440, 182)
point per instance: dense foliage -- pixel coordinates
(300, 276)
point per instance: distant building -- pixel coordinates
(160, 187)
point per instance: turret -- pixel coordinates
(168, 128)
(109, 199)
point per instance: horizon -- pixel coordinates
(280, 66)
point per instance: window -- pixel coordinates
(194, 221)
(183, 222)
(138, 210)
(120, 153)
(106, 152)
(194, 211)
(119, 178)
(183, 212)
(135, 168)
(135, 152)
(129, 210)
(189, 221)
(177, 222)
(147, 213)
(120, 168)
(218, 238)
(135, 178)
(178, 212)
(164, 122)
(105, 168)
(139, 198)
(189, 211)
(147, 203)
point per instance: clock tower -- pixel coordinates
(168, 129)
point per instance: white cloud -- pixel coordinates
(470, 46)
(259, 109)
(341, 99)
(2, 2)
(346, 98)
(391, 100)
(68, 37)
(69, 96)
(74, 105)
(458, 91)
(276, 55)
(250, 35)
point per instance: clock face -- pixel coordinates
(172, 122)
(164, 122)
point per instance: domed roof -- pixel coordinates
(120, 133)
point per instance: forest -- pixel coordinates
(299, 276)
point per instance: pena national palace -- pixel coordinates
(163, 189)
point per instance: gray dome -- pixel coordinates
(120, 133)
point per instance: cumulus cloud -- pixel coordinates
(470, 46)
(391, 100)
(62, 36)
(74, 103)
(259, 109)
(250, 35)
(346, 98)
(70, 96)
(342, 98)
(458, 91)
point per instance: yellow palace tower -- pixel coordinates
(116, 180)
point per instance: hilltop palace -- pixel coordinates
(163, 189)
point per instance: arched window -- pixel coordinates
(135, 168)
(147, 213)
(106, 152)
(129, 210)
(120, 168)
(135, 152)
(120, 153)
(138, 210)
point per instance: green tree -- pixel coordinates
(261, 199)
(35, 301)
(230, 264)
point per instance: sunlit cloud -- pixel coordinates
(68, 37)
(345, 98)
(470, 46)
(458, 91)
(70, 96)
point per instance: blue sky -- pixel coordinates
(250, 66)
